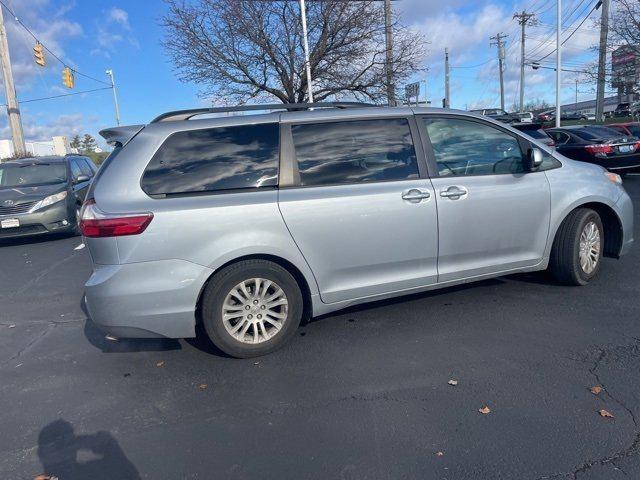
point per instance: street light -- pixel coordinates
(115, 96)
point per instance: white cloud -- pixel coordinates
(113, 33)
(119, 16)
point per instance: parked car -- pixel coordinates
(525, 117)
(587, 116)
(548, 116)
(622, 110)
(603, 146)
(631, 129)
(535, 131)
(565, 115)
(43, 194)
(635, 110)
(498, 114)
(250, 223)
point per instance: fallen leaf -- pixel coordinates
(44, 476)
(596, 390)
(256, 363)
(484, 410)
(453, 382)
(439, 454)
(13, 325)
(160, 364)
(202, 386)
(606, 414)
(111, 338)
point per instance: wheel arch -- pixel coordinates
(611, 223)
(284, 263)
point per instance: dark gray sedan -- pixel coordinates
(43, 194)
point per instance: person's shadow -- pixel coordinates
(59, 449)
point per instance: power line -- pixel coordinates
(3, 4)
(64, 95)
(572, 33)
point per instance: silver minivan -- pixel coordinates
(250, 223)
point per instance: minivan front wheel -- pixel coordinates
(251, 308)
(576, 254)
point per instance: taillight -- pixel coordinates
(600, 149)
(96, 223)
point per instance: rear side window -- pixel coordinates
(354, 151)
(84, 167)
(75, 168)
(215, 159)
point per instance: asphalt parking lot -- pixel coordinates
(359, 394)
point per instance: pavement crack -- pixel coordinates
(43, 334)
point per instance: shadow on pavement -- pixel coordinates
(98, 339)
(69, 456)
(34, 239)
(203, 343)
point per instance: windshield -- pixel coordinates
(23, 175)
(596, 133)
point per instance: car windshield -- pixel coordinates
(22, 175)
(634, 129)
(593, 133)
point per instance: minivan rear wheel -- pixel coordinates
(251, 308)
(576, 254)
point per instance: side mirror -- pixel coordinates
(535, 159)
(82, 178)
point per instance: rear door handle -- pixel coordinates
(415, 195)
(454, 192)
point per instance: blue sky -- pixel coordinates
(93, 35)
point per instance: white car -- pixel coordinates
(525, 117)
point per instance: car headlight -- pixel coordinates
(614, 177)
(50, 200)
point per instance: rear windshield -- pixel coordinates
(634, 129)
(538, 133)
(593, 133)
(215, 159)
(23, 175)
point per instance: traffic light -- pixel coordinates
(38, 53)
(67, 77)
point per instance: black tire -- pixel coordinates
(565, 253)
(223, 282)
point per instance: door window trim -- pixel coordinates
(430, 154)
(290, 175)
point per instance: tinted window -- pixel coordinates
(214, 159)
(593, 133)
(464, 147)
(537, 134)
(355, 151)
(634, 129)
(559, 137)
(84, 167)
(75, 168)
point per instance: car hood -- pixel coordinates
(20, 195)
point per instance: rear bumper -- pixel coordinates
(48, 220)
(147, 299)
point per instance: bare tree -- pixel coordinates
(243, 49)
(625, 23)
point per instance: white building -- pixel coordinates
(58, 145)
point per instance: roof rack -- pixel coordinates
(187, 114)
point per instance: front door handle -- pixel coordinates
(453, 192)
(415, 195)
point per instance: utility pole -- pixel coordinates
(558, 59)
(13, 110)
(576, 105)
(602, 60)
(523, 19)
(391, 94)
(115, 96)
(305, 44)
(447, 98)
(499, 42)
